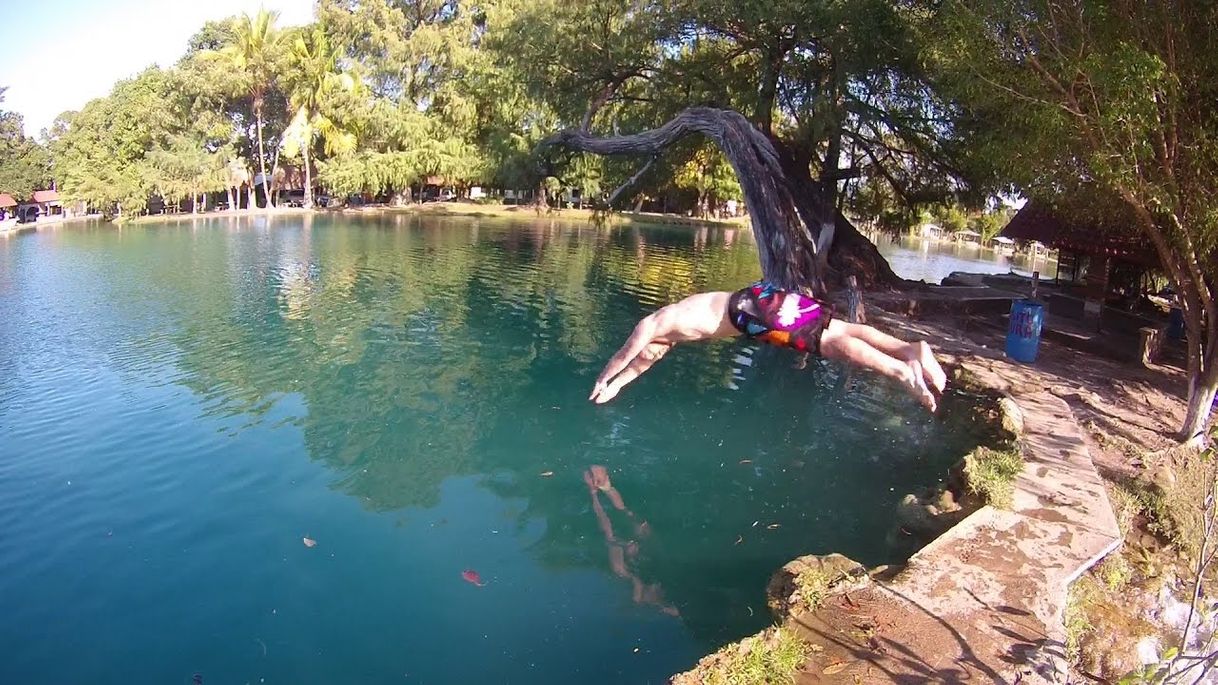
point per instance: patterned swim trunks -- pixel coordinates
(779, 317)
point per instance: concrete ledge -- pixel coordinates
(985, 601)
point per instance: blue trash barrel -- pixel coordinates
(1175, 324)
(1023, 337)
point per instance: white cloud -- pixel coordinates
(57, 55)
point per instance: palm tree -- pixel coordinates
(314, 74)
(252, 52)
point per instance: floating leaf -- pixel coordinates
(472, 577)
(746, 461)
(546, 474)
(772, 526)
(309, 542)
(835, 668)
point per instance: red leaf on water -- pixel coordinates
(471, 576)
(309, 542)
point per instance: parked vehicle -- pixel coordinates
(295, 198)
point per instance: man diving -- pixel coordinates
(781, 317)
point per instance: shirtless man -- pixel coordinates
(780, 317)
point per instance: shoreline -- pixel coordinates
(463, 209)
(986, 599)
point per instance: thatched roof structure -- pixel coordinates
(1097, 238)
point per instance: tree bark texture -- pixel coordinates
(266, 189)
(308, 178)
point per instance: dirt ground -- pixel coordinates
(1126, 410)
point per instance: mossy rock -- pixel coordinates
(804, 584)
(989, 475)
(931, 514)
(1010, 417)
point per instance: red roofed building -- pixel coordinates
(43, 203)
(46, 196)
(7, 209)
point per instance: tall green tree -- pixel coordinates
(184, 168)
(25, 165)
(835, 88)
(101, 152)
(1106, 108)
(252, 53)
(312, 77)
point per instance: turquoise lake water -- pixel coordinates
(182, 404)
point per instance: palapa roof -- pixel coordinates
(1098, 238)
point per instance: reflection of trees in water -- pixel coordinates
(424, 350)
(404, 339)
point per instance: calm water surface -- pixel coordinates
(181, 404)
(932, 261)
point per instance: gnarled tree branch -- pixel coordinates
(613, 197)
(787, 222)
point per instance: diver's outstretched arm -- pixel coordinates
(697, 317)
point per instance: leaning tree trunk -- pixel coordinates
(787, 245)
(792, 222)
(308, 179)
(1200, 407)
(266, 190)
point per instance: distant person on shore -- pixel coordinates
(780, 317)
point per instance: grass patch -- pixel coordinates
(1115, 572)
(1126, 506)
(1078, 622)
(813, 587)
(775, 656)
(1173, 502)
(990, 474)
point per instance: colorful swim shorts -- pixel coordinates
(779, 317)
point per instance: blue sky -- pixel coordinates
(56, 55)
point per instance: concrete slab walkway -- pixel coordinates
(985, 601)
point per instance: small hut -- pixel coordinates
(1100, 262)
(967, 236)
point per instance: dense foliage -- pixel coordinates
(1106, 110)
(380, 96)
(24, 164)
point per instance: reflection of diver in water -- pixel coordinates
(621, 552)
